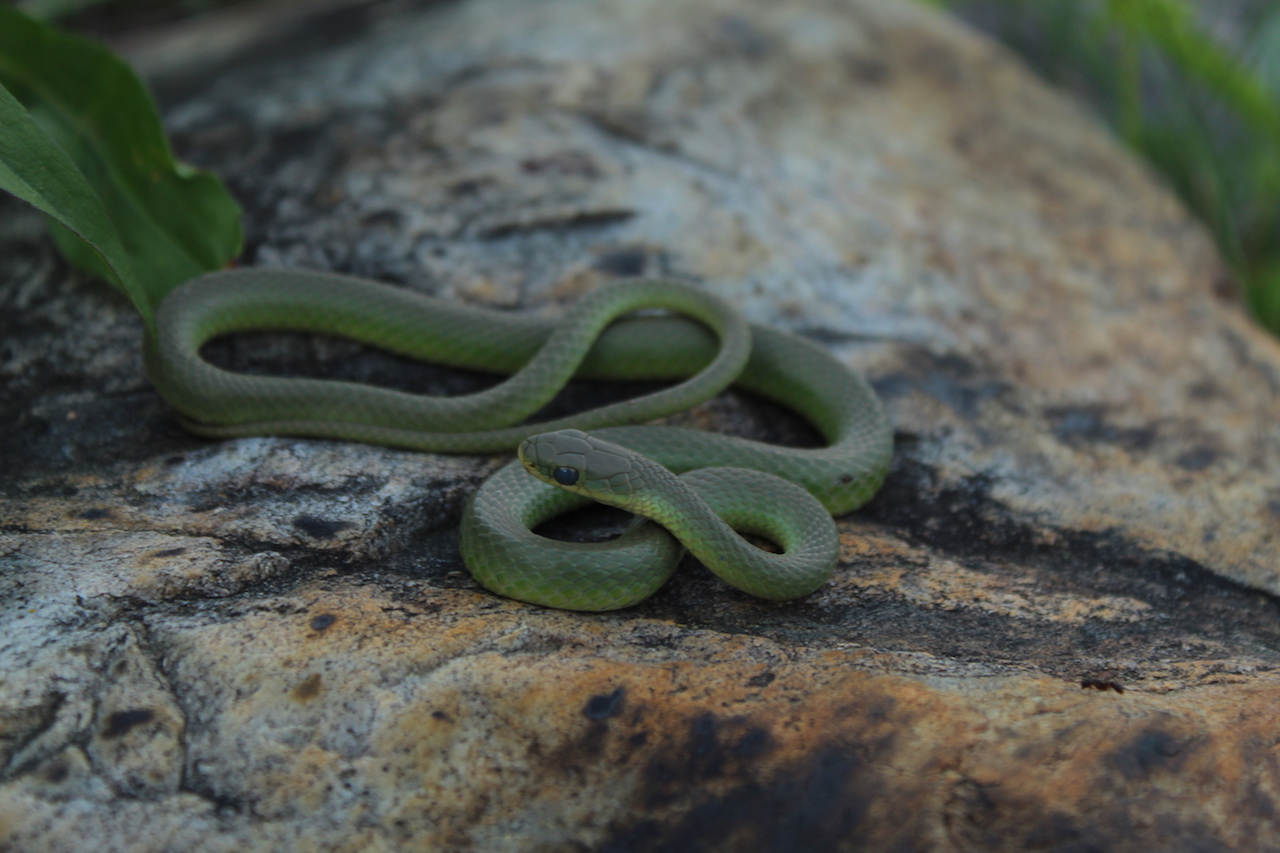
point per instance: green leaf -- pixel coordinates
(41, 174)
(174, 222)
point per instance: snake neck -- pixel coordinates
(651, 490)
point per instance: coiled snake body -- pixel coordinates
(785, 494)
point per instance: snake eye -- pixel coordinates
(565, 476)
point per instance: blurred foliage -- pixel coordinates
(1204, 109)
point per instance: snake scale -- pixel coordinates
(697, 486)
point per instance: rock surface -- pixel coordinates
(1055, 628)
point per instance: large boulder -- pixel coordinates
(1055, 627)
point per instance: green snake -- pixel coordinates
(697, 486)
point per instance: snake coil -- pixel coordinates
(705, 344)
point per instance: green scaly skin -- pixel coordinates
(704, 509)
(707, 347)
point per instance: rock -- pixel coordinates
(1055, 628)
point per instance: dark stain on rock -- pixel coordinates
(301, 354)
(1197, 459)
(1152, 751)
(868, 72)
(982, 817)
(599, 709)
(992, 817)
(468, 187)
(387, 218)
(605, 705)
(706, 752)
(56, 488)
(1273, 508)
(124, 427)
(713, 748)
(308, 689)
(953, 381)
(121, 722)
(322, 621)
(737, 36)
(57, 772)
(441, 716)
(1081, 426)
(286, 146)
(1206, 389)
(756, 742)
(1095, 684)
(818, 804)
(581, 219)
(1060, 831)
(320, 528)
(169, 552)
(596, 523)
(35, 720)
(627, 261)
(95, 514)
(562, 164)
(764, 679)
(1227, 286)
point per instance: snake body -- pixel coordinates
(707, 347)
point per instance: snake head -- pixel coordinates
(577, 462)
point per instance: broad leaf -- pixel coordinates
(37, 171)
(174, 222)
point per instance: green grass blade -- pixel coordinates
(1171, 24)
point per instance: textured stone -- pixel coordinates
(1055, 628)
